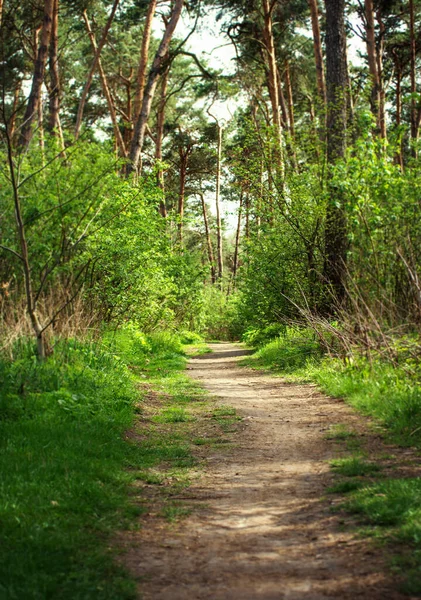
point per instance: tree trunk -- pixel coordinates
(184, 155)
(336, 84)
(237, 242)
(38, 77)
(143, 61)
(290, 100)
(106, 89)
(283, 104)
(247, 224)
(382, 91)
(399, 156)
(218, 211)
(413, 52)
(24, 256)
(94, 65)
(158, 67)
(318, 54)
(160, 122)
(13, 116)
(54, 92)
(273, 82)
(208, 238)
(373, 63)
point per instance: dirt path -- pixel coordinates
(261, 529)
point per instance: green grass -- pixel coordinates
(345, 486)
(340, 433)
(354, 466)
(67, 466)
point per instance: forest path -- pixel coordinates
(261, 529)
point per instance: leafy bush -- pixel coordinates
(260, 336)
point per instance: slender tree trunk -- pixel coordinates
(38, 77)
(41, 136)
(398, 71)
(208, 238)
(318, 54)
(217, 204)
(336, 84)
(290, 100)
(143, 60)
(273, 81)
(160, 122)
(382, 91)
(54, 92)
(237, 242)
(413, 52)
(247, 216)
(106, 89)
(184, 154)
(284, 110)
(12, 124)
(373, 63)
(24, 256)
(93, 68)
(158, 67)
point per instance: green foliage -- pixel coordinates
(66, 465)
(63, 479)
(255, 336)
(221, 316)
(392, 507)
(354, 466)
(289, 352)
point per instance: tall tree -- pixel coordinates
(95, 64)
(318, 53)
(143, 60)
(34, 99)
(157, 69)
(336, 83)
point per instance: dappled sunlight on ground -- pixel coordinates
(261, 528)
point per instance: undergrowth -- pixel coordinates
(67, 465)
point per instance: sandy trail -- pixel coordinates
(261, 529)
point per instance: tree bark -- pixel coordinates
(273, 81)
(54, 92)
(13, 116)
(382, 91)
(336, 84)
(217, 204)
(94, 65)
(160, 122)
(184, 157)
(143, 61)
(38, 77)
(318, 54)
(290, 100)
(374, 63)
(158, 67)
(413, 52)
(237, 242)
(106, 89)
(31, 305)
(208, 238)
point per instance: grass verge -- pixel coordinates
(70, 471)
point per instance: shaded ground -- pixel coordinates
(260, 528)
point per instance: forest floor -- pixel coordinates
(259, 523)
